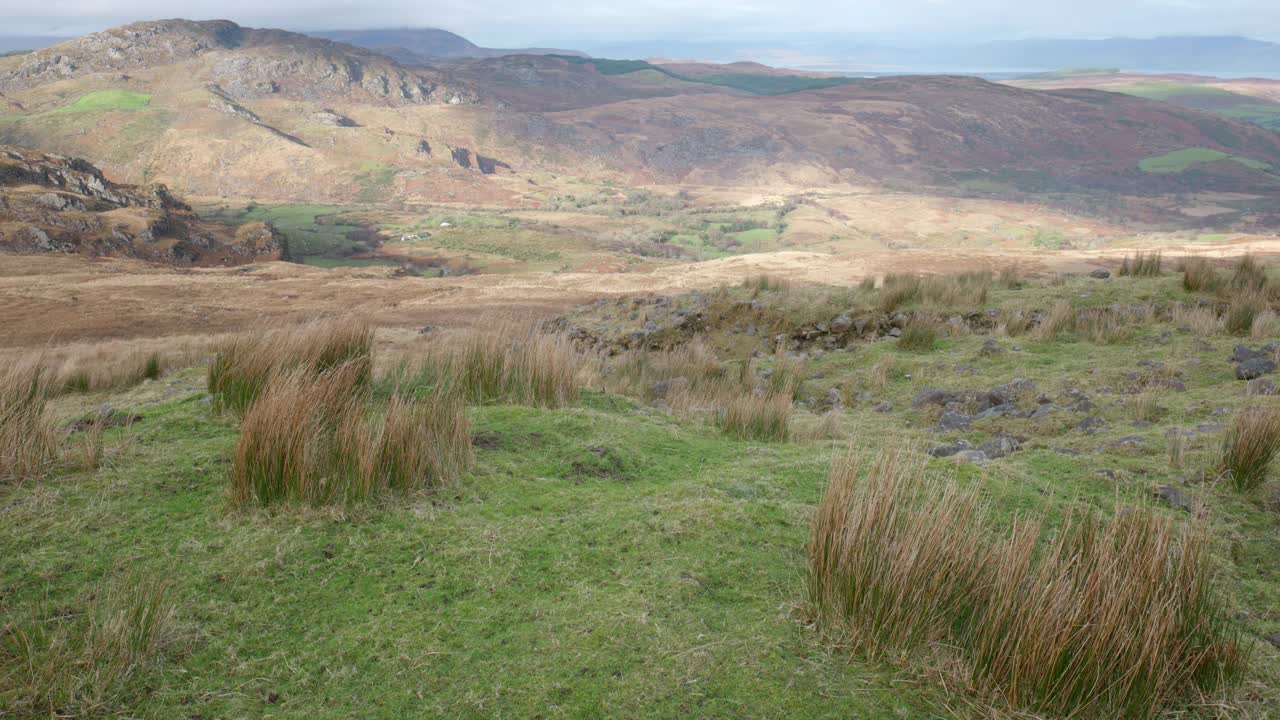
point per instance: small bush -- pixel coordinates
(1250, 444)
(1198, 275)
(919, 337)
(28, 439)
(758, 416)
(86, 664)
(1143, 265)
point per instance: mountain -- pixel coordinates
(50, 203)
(216, 110)
(423, 45)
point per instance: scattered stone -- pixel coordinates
(997, 411)
(1261, 386)
(934, 396)
(1219, 411)
(1068, 451)
(989, 348)
(942, 451)
(1110, 474)
(106, 417)
(427, 329)
(1044, 411)
(1255, 368)
(965, 369)
(1092, 423)
(841, 324)
(999, 446)
(895, 332)
(969, 456)
(1100, 274)
(953, 421)
(1274, 639)
(1174, 497)
(884, 407)
(1133, 441)
(1143, 424)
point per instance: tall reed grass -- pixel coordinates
(29, 442)
(1249, 447)
(1105, 619)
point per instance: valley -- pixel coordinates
(383, 373)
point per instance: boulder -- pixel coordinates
(1092, 423)
(969, 456)
(1100, 274)
(949, 449)
(1255, 368)
(999, 446)
(884, 407)
(953, 421)
(1174, 497)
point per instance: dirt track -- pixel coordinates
(55, 299)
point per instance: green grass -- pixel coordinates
(312, 230)
(107, 100)
(606, 558)
(1181, 160)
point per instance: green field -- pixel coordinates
(312, 230)
(1181, 160)
(107, 100)
(1210, 99)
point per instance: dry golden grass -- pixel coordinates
(245, 362)
(1145, 406)
(1199, 275)
(312, 437)
(1266, 325)
(1110, 619)
(29, 443)
(758, 416)
(1201, 320)
(1251, 443)
(894, 553)
(968, 289)
(1248, 275)
(511, 363)
(1142, 265)
(1061, 318)
(1102, 326)
(1246, 306)
(59, 664)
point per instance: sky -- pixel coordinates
(594, 24)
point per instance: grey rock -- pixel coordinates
(1068, 451)
(969, 456)
(1091, 423)
(841, 324)
(1211, 427)
(1044, 411)
(1219, 411)
(1174, 497)
(884, 407)
(935, 396)
(949, 449)
(1255, 368)
(953, 421)
(1100, 274)
(1274, 639)
(999, 446)
(895, 332)
(1135, 441)
(989, 348)
(997, 411)
(1011, 391)
(1244, 353)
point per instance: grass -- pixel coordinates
(618, 556)
(83, 661)
(1142, 265)
(308, 438)
(1113, 619)
(764, 417)
(508, 363)
(1182, 160)
(919, 337)
(1198, 275)
(244, 363)
(1249, 447)
(100, 100)
(28, 440)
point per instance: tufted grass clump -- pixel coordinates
(1102, 618)
(1249, 447)
(243, 364)
(28, 438)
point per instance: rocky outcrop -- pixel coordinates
(245, 62)
(55, 204)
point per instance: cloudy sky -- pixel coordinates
(592, 24)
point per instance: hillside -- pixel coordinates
(54, 204)
(221, 111)
(421, 45)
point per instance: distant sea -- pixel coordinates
(1005, 74)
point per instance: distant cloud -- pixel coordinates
(598, 23)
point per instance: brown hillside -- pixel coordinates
(55, 204)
